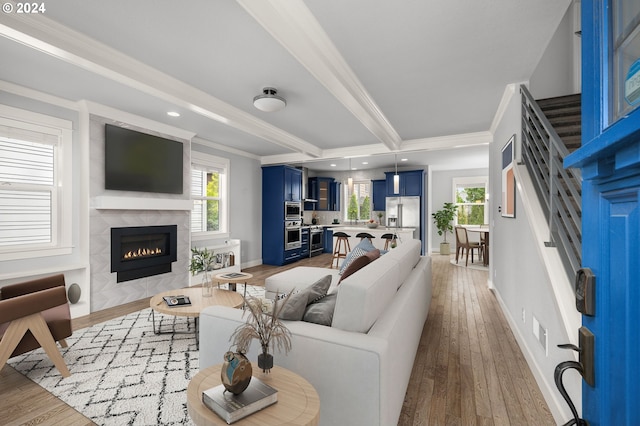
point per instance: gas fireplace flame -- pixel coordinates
(141, 252)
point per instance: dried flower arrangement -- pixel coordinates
(266, 327)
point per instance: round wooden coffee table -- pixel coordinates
(233, 278)
(198, 303)
(298, 402)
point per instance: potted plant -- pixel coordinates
(201, 261)
(265, 326)
(442, 219)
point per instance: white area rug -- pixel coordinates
(122, 373)
(472, 265)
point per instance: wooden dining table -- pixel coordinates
(484, 232)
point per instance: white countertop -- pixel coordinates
(366, 228)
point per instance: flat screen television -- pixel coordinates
(136, 161)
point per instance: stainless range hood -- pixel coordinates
(305, 186)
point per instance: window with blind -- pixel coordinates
(35, 184)
(209, 195)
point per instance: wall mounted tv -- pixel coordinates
(137, 161)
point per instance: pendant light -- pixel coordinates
(396, 178)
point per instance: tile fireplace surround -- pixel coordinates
(168, 209)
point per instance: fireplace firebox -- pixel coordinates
(143, 251)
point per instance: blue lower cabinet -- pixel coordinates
(327, 241)
(291, 255)
(304, 250)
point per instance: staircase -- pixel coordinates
(565, 114)
(551, 129)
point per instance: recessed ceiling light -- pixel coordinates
(332, 165)
(365, 162)
(173, 114)
(404, 159)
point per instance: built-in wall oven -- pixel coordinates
(315, 235)
(292, 210)
(292, 234)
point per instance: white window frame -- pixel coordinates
(468, 181)
(347, 198)
(213, 163)
(62, 192)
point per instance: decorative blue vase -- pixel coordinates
(236, 372)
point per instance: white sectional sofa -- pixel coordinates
(361, 364)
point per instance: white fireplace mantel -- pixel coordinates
(106, 202)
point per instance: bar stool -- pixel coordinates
(389, 238)
(341, 247)
(363, 235)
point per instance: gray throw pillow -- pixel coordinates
(294, 308)
(321, 312)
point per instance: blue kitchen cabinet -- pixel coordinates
(327, 191)
(411, 183)
(327, 240)
(292, 184)
(279, 184)
(305, 249)
(379, 189)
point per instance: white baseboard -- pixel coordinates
(556, 404)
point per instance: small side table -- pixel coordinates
(234, 278)
(298, 402)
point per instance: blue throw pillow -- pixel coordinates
(363, 247)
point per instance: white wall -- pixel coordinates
(245, 210)
(442, 192)
(521, 280)
(558, 72)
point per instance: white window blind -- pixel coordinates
(35, 184)
(209, 195)
(28, 191)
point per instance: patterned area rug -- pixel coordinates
(121, 372)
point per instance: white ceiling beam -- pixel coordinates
(293, 25)
(54, 39)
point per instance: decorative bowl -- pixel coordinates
(372, 225)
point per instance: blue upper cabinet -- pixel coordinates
(379, 189)
(292, 184)
(326, 191)
(411, 183)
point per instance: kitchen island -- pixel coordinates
(404, 234)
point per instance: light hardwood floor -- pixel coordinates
(468, 370)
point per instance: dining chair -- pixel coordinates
(463, 244)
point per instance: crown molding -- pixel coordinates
(52, 38)
(509, 91)
(225, 148)
(293, 25)
(36, 95)
(136, 120)
(462, 140)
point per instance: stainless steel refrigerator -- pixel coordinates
(404, 212)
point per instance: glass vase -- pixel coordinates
(207, 287)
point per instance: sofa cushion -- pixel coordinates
(296, 279)
(364, 295)
(407, 256)
(363, 247)
(297, 303)
(321, 311)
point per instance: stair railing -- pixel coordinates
(559, 189)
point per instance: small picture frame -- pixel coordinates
(508, 179)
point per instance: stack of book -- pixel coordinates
(232, 408)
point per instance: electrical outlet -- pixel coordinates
(543, 339)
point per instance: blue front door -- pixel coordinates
(610, 163)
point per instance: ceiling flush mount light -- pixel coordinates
(269, 101)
